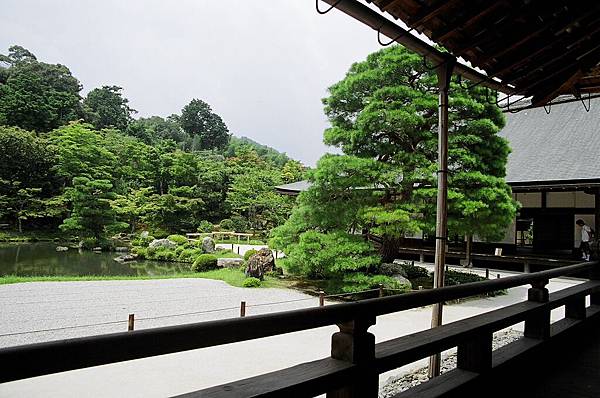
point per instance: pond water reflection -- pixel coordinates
(42, 259)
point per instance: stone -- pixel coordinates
(144, 234)
(61, 248)
(230, 262)
(208, 245)
(126, 258)
(121, 249)
(156, 243)
(260, 263)
(97, 249)
(392, 269)
(402, 279)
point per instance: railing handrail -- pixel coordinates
(122, 346)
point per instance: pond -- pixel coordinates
(42, 259)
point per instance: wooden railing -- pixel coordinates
(356, 361)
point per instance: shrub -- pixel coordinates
(162, 254)
(179, 239)
(142, 252)
(391, 269)
(359, 282)
(226, 225)
(144, 242)
(249, 254)
(414, 271)
(88, 243)
(189, 255)
(330, 255)
(179, 250)
(160, 233)
(204, 262)
(251, 282)
(204, 226)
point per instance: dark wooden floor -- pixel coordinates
(570, 370)
(574, 372)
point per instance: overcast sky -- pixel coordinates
(263, 65)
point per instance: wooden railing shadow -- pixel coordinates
(356, 361)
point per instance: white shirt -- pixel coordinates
(585, 233)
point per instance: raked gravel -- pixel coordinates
(400, 383)
(26, 309)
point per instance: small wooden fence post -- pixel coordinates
(130, 322)
(321, 298)
(487, 273)
(243, 309)
(380, 290)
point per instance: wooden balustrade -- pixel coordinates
(356, 361)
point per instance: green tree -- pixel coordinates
(292, 171)
(383, 117)
(198, 120)
(35, 95)
(106, 107)
(92, 215)
(81, 152)
(155, 128)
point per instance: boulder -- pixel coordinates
(392, 269)
(97, 249)
(126, 258)
(121, 249)
(156, 243)
(230, 262)
(260, 263)
(144, 234)
(208, 245)
(61, 248)
(402, 280)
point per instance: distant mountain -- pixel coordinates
(265, 152)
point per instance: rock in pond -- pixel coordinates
(61, 248)
(208, 245)
(126, 258)
(121, 249)
(230, 262)
(156, 243)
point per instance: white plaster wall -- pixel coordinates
(529, 199)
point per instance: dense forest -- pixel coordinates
(87, 167)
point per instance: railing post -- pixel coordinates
(476, 354)
(243, 309)
(380, 290)
(594, 275)
(321, 298)
(537, 326)
(130, 322)
(575, 308)
(353, 343)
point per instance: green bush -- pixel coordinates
(330, 255)
(142, 252)
(359, 282)
(179, 239)
(391, 269)
(162, 254)
(204, 226)
(189, 255)
(204, 262)
(144, 242)
(414, 271)
(179, 250)
(160, 233)
(226, 225)
(249, 254)
(251, 282)
(88, 243)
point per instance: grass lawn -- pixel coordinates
(233, 277)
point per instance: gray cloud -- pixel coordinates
(262, 65)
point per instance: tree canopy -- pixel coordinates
(106, 107)
(383, 117)
(198, 120)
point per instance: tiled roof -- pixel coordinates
(561, 146)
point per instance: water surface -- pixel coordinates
(42, 259)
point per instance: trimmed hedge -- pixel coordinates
(249, 254)
(179, 239)
(204, 262)
(251, 282)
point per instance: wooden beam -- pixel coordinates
(464, 23)
(431, 12)
(553, 92)
(387, 4)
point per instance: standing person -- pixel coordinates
(586, 237)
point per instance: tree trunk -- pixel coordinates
(19, 223)
(389, 249)
(468, 262)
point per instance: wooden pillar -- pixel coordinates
(444, 73)
(468, 251)
(537, 326)
(353, 343)
(597, 211)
